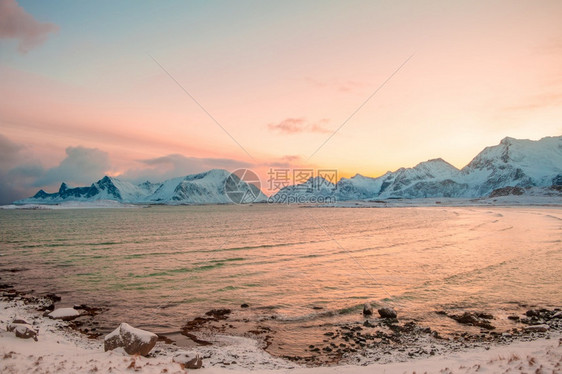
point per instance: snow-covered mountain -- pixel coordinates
(315, 189)
(512, 163)
(521, 163)
(205, 188)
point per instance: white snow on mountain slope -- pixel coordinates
(512, 163)
(426, 179)
(523, 163)
(359, 187)
(313, 190)
(202, 188)
(110, 187)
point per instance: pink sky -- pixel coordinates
(280, 78)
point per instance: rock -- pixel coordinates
(244, 305)
(537, 328)
(22, 330)
(557, 314)
(506, 191)
(46, 308)
(54, 298)
(387, 313)
(472, 319)
(66, 314)
(188, 360)
(19, 320)
(513, 318)
(218, 313)
(88, 310)
(134, 341)
(532, 313)
(368, 324)
(484, 315)
(367, 309)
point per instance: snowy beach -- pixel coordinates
(62, 350)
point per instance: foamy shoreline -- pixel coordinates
(62, 350)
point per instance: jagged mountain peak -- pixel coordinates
(511, 163)
(63, 187)
(508, 140)
(436, 163)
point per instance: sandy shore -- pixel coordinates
(62, 350)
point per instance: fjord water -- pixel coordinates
(301, 268)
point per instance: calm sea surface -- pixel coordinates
(300, 268)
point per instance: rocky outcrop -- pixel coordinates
(188, 360)
(506, 191)
(65, 314)
(474, 319)
(22, 329)
(134, 341)
(367, 309)
(387, 313)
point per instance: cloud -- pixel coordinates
(17, 173)
(16, 23)
(286, 161)
(81, 166)
(175, 165)
(8, 151)
(298, 125)
(21, 176)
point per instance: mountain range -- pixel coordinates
(513, 162)
(215, 186)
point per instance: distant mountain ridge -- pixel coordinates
(511, 163)
(203, 188)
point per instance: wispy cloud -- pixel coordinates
(80, 166)
(21, 175)
(18, 171)
(286, 161)
(299, 125)
(175, 165)
(16, 23)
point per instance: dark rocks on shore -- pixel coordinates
(89, 310)
(218, 313)
(188, 360)
(22, 329)
(65, 314)
(537, 328)
(46, 308)
(367, 309)
(474, 319)
(134, 341)
(213, 315)
(53, 297)
(387, 312)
